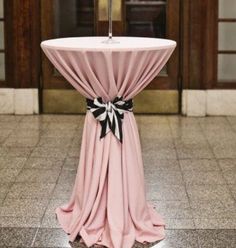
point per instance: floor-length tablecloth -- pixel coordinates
(108, 203)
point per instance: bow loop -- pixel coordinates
(110, 114)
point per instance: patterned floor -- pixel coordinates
(190, 170)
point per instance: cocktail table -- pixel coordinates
(108, 204)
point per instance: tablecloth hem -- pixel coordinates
(128, 240)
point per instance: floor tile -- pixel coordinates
(38, 175)
(31, 190)
(74, 152)
(32, 118)
(232, 188)
(228, 165)
(194, 152)
(8, 175)
(203, 178)
(21, 142)
(4, 134)
(165, 192)
(55, 142)
(214, 209)
(20, 222)
(12, 163)
(63, 126)
(44, 163)
(193, 148)
(15, 151)
(192, 142)
(58, 133)
(2, 139)
(53, 204)
(8, 125)
(220, 223)
(179, 223)
(3, 151)
(47, 237)
(230, 177)
(179, 133)
(152, 163)
(24, 133)
(71, 164)
(225, 137)
(10, 118)
(164, 177)
(4, 188)
(202, 165)
(50, 222)
(225, 238)
(76, 142)
(62, 118)
(49, 152)
(180, 239)
(173, 209)
(17, 237)
(225, 151)
(62, 191)
(32, 125)
(23, 207)
(186, 129)
(231, 119)
(155, 130)
(162, 153)
(155, 143)
(178, 128)
(217, 238)
(152, 119)
(67, 176)
(214, 123)
(208, 192)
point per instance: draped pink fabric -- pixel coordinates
(108, 203)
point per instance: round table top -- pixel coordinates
(96, 43)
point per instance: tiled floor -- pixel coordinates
(190, 170)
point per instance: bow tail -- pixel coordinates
(120, 129)
(116, 125)
(105, 127)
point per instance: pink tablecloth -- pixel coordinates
(108, 204)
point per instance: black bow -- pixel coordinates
(110, 114)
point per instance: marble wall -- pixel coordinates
(209, 102)
(19, 101)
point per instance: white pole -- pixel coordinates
(110, 19)
(110, 39)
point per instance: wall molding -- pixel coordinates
(19, 101)
(209, 102)
(147, 101)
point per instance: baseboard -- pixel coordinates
(19, 101)
(209, 102)
(148, 101)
